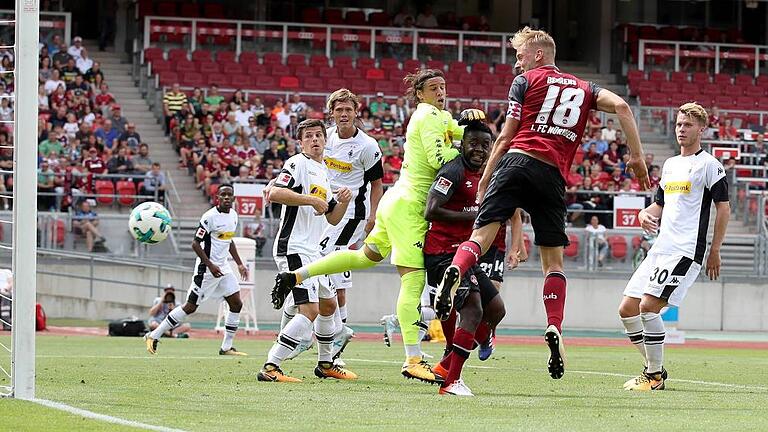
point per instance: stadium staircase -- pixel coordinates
(190, 203)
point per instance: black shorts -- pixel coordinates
(492, 264)
(475, 280)
(521, 181)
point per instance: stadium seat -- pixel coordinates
(378, 19)
(732, 90)
(249, 57)
(244, 80)
(208, 68)
(411, 65)
(349, 73)
(333, 16)
(481, 67)
(572, 250)
(201, 56)
(161, 66)
(361, 86)
(168, 78)
(289, 82)
(397, 75)
(355, 17)
(669, 87)
(477, 91)
(436, 64)
(375, 74)
(296, 60)
(311, 16)
(657, 76)
(166, 9)
(313, 84)
(278, 70)
(231, 68)
(327, 72)
(458, 91)
(636, 242)
(272, 58)
(657, 99)
(743, 80)
(257, 69)
(365, 63)
(336, 83)
(389, 63)
(689, 88)
(386, 87)
(635, 75)
(175, 54)
(700, 77)
(678, 77)
(190, 10)
(710, 89)
(182, 66)
(152, 54)
(219, 79)
(107, 188)
(213, 10)
(304, 71)
(503, 69)
(125, 190)
(490, 79)
(317, 61)
(618, 245)
(342, 62)
(193, 79)
(499, 90)
(722, 79)
(265, 82)
(226, 57)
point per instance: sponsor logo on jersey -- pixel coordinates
(338, 165)
(471, 208)
(681, 187)
(318, 191)
(226, 235)
(469, 184)
(200, 233)
(443, 185)
(554, 130)
(550, 296)
(561, 80)
(283, 179)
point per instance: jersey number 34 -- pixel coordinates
(568, 110)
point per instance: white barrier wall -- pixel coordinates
(590, 303)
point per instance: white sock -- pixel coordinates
(343, 313)
(173, 320)
(653, 338)
(289, 339)
(325, 327)
(230, 328)
(289, 311)
(634, 329)
(423, 329)
(338, 323)
(413, 350)
(427, 314)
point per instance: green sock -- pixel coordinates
(336, 262)
(411, 286)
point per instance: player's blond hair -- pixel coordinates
(696, 111)
(342, 95)
(534, 38)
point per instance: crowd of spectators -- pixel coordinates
(82, 133)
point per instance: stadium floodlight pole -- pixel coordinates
(25, 200)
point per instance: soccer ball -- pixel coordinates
(150, 222)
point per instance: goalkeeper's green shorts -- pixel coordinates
(400, 229)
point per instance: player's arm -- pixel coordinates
(236, 256)
(337, 209)
(650, 216)
(610, 102)
(441, 191)
(718, 186)
(374, 172)
(508, 131)
(433, 134)
(283, 193)
(200, 235)
(517, 241)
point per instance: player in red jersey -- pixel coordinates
(451, 209)
(546, 117)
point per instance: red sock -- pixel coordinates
(449, 328)
(447, 361)
(466, 256)
(482, 333)
(462, 346)
(554, 298)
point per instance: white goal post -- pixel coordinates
(24, 246)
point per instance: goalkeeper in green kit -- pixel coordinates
(400, 226)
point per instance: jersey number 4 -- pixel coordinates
(568, 110)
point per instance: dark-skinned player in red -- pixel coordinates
(546, 117)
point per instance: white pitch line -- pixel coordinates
(102, 417)
(709, 383)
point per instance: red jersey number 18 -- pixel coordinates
(567, 112)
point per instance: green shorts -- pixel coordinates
(400, 229)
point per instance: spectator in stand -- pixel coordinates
(214, 98)
(120, 163)
(273, 152)
(107, 135)
(398, 136)
(237, 98)
(61, 57)
(292, 128)
(45, 185)
(71, 127)
(84, 63)
(378, 106)
(759, 156)
(59, 100)
(456, 109)
(42, 100)
(284, 117)
(243, 115)
(160, 309)
(69, 71)
(259, 141)
(118, 121)
(617, 177)
(573, 180)
(654, 176)
(86, 222)
(142, 163)
(597, 232)
(400, 110)
(222, 112)
(104, 99)
(278, 135)
(259, 111)
(611, 158)
(173, 101)
(54, 82)
(154, 183)
(601, 145)
(53, 46)
(52, 143)
(255, 229)
(130, 137)
(278, 108)
(299, 107)
(195, 101)
(76, 48)
(44, 70)
(426, 19)
(395, 158)
(649, 157)
(402, 14)
(366, 119)
(594, 123)
(389, 174)
(592, 154)
(84, 132)
(599, 177)
(714, 118)
(95, 76)
(226, 152)
(80, 84)
(214, 170)
(388, 122)
(608, 133)
(378, 133)
(728, 132)
(231, 127)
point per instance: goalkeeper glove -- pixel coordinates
(471, 114)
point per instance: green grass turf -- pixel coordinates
(188, 386)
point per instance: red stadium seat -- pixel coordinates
(231, 67)
(304, 71)
(436, 64)
(166, 9)
(502, 69)
(722, 79)
(219, 79)
(273, 58)
(635, 75)
(481, 67)
(107, 188)
(296, 60)
(289, 82)
(125, 190)
(378, 19)
(498, 91)
(278, 70)
(572, 250)
(743, 80)
(226, 56)
(396, 75)
(411, 65)
(355, 18)
(365, 63)
(700, 77)
(311, 16)
(249, 57)
(265, 82)
(745, 103)
(656, 99)
(349, 73)
(389, 63)
(152, 54)
(679, 77)
(208, 68)
(176, 54)
(711, 89)
(732, 90)
(185, 66)
(361, 86)
(374, 74)
(318, 61)
(342, 62)
(477, 91)
(657, 76)
(257, 69)
(213, 10)
(244, 80)
(201, 56)
(168, 78)
(190, 10)
(336, 83)
(193, 79)
(669, 87)
(313, 84)
(386, 87)
(723, 101)
(161, 66)
(490, 79)
(328, 72)
(618, 245)
(636, 242)
(333, 16)
(458, 91)
(689, 88)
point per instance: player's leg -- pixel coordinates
(471, 313)
(200, 285)
(629, 309)
(341, 296)
(325, 330)
(654, 374)
(229, 284)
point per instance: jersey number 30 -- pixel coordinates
(568, 109)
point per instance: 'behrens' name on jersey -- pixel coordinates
(561, 80)
(554, 130)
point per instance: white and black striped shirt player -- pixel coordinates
(301, 229)
(353, 163)
(689, 185)
(215, 233)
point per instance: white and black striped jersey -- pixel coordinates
(688, 186)
(353, 163)
(215, 233)
(300, 228)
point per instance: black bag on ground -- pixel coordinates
(128, 327)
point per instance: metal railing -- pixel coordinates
(701, 50)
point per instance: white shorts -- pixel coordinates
(310, 290)
(663, 276)
(209, 287)
(346, 233)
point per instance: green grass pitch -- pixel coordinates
(189, 386)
